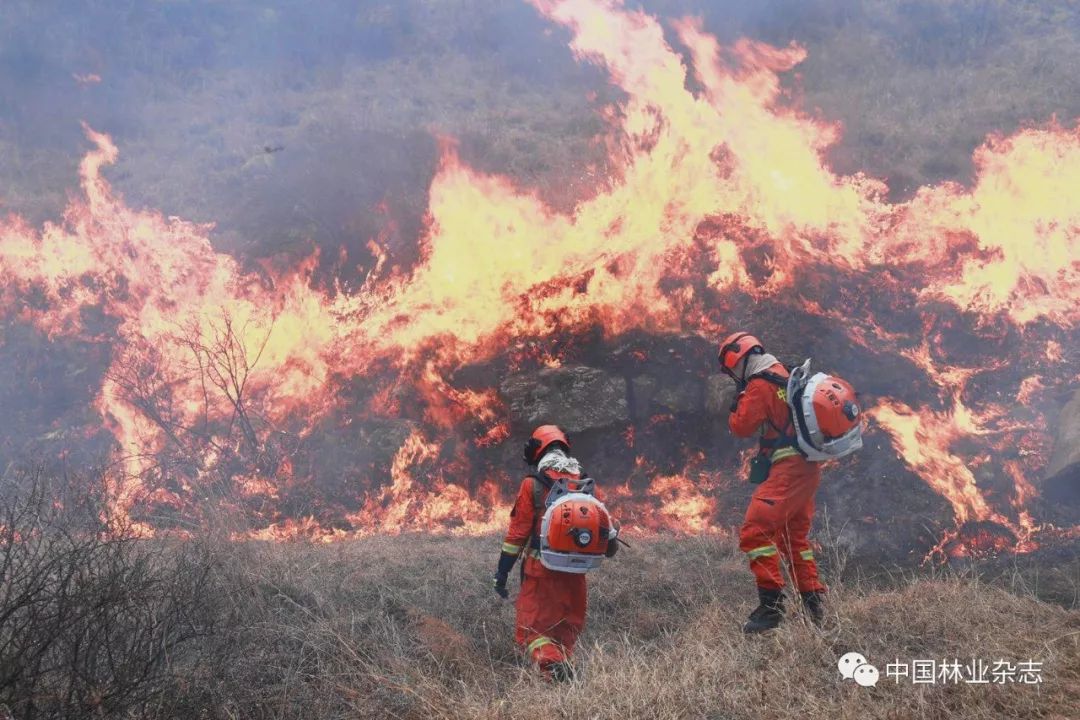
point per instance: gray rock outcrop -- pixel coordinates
(577, 398)
(1062, 482)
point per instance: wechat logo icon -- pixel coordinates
(853, 666)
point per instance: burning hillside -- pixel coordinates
(330, 408)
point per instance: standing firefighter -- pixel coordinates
(563, 531)
(798, 421)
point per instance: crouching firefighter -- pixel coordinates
(800, 422)
(563, 531)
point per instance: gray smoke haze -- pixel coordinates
(283, 121)
(289, 121)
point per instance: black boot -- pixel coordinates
(814, 602)
(768, 614)
(561, 672)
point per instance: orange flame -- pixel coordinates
(719, 189)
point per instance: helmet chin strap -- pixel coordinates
(741, 378)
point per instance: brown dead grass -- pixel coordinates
(408, 628)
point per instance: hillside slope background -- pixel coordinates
(196, 92)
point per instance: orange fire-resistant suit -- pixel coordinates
(782, 507)
(550, 605)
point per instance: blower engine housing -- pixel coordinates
(574, 533)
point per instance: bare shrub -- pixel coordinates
(89, 613)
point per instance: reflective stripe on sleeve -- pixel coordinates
(807, 554)
(510, 548)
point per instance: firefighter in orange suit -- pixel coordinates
(550, 605)
(781, 508)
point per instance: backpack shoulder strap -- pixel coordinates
(540, 487)
(781, 382)
(771, 377)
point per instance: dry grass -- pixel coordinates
(408, 628)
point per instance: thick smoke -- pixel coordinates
(201, 95)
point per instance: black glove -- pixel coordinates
(500, 585)
(506, 564)
(613, 544)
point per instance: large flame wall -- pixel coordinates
(956, 311)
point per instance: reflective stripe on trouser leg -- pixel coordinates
(544, 651)
(765, 564)
(763, 551)
(538, 643)
(805, 570)
(550, 605)
(795, 545)
(757, 540)
(779, 513)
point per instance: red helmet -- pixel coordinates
(542, 438)
(735, 347)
